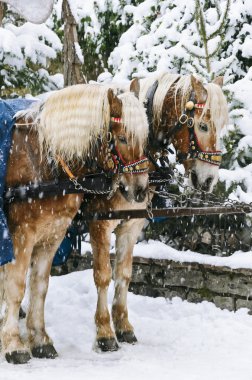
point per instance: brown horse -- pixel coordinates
(189, 115)
(73, 126)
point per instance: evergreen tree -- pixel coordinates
(100, 26)
(211, 35)
(25, 54)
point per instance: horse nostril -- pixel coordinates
(122, 188)
(209, 181)
(140, 193)
(206, 186)
(139, 190)
(194, 179)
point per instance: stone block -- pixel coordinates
(140, 273)
(200, 295)
(224, 302)
(174, 292)
(185, 277)
(229, 284)
(240, 303)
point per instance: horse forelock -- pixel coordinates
(134, 118)
(71, 120)
(217, 104)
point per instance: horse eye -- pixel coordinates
(203, 127)
(122, 139)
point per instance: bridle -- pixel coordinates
(115, 161)
(194, 150)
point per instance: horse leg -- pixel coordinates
(126, 237)
(100, 233)
(40, 343)
(14, 287)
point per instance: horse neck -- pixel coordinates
(26, 163)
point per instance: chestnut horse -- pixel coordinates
(189, 115)
(72, 127)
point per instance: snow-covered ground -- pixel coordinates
(177, 340)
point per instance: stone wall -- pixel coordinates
(227, 288)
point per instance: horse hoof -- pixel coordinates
(107, 344)
(17, 357)
(126, 337)
(44, 352)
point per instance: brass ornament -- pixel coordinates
(110, 163)
(189, 105)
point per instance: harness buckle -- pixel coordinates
(109, 137)
(183, 118)
(190, 122)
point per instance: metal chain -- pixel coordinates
(115, 187)
(78, 186)
(190, 196)
(193, 197)
(149, 207)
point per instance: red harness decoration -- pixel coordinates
(199, 105)
(133, 167)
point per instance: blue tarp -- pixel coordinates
(8, 108)
(66, 247)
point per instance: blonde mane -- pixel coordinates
(70, 120)
(216, 101)
(134, 119)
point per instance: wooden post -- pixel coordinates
(2, 9)
(72, 63)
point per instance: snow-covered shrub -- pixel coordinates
(26, 51)
(168, 35)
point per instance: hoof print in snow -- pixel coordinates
(44, 352)
(126, 337)
(17, 357)
(107, 344)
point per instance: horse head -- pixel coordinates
(128, 136)
(182, 111)
(198, 140)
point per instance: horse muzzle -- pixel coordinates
(133, 188)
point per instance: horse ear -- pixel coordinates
(115, 104)
(199, 89)
(218, 81)
(135, 87)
